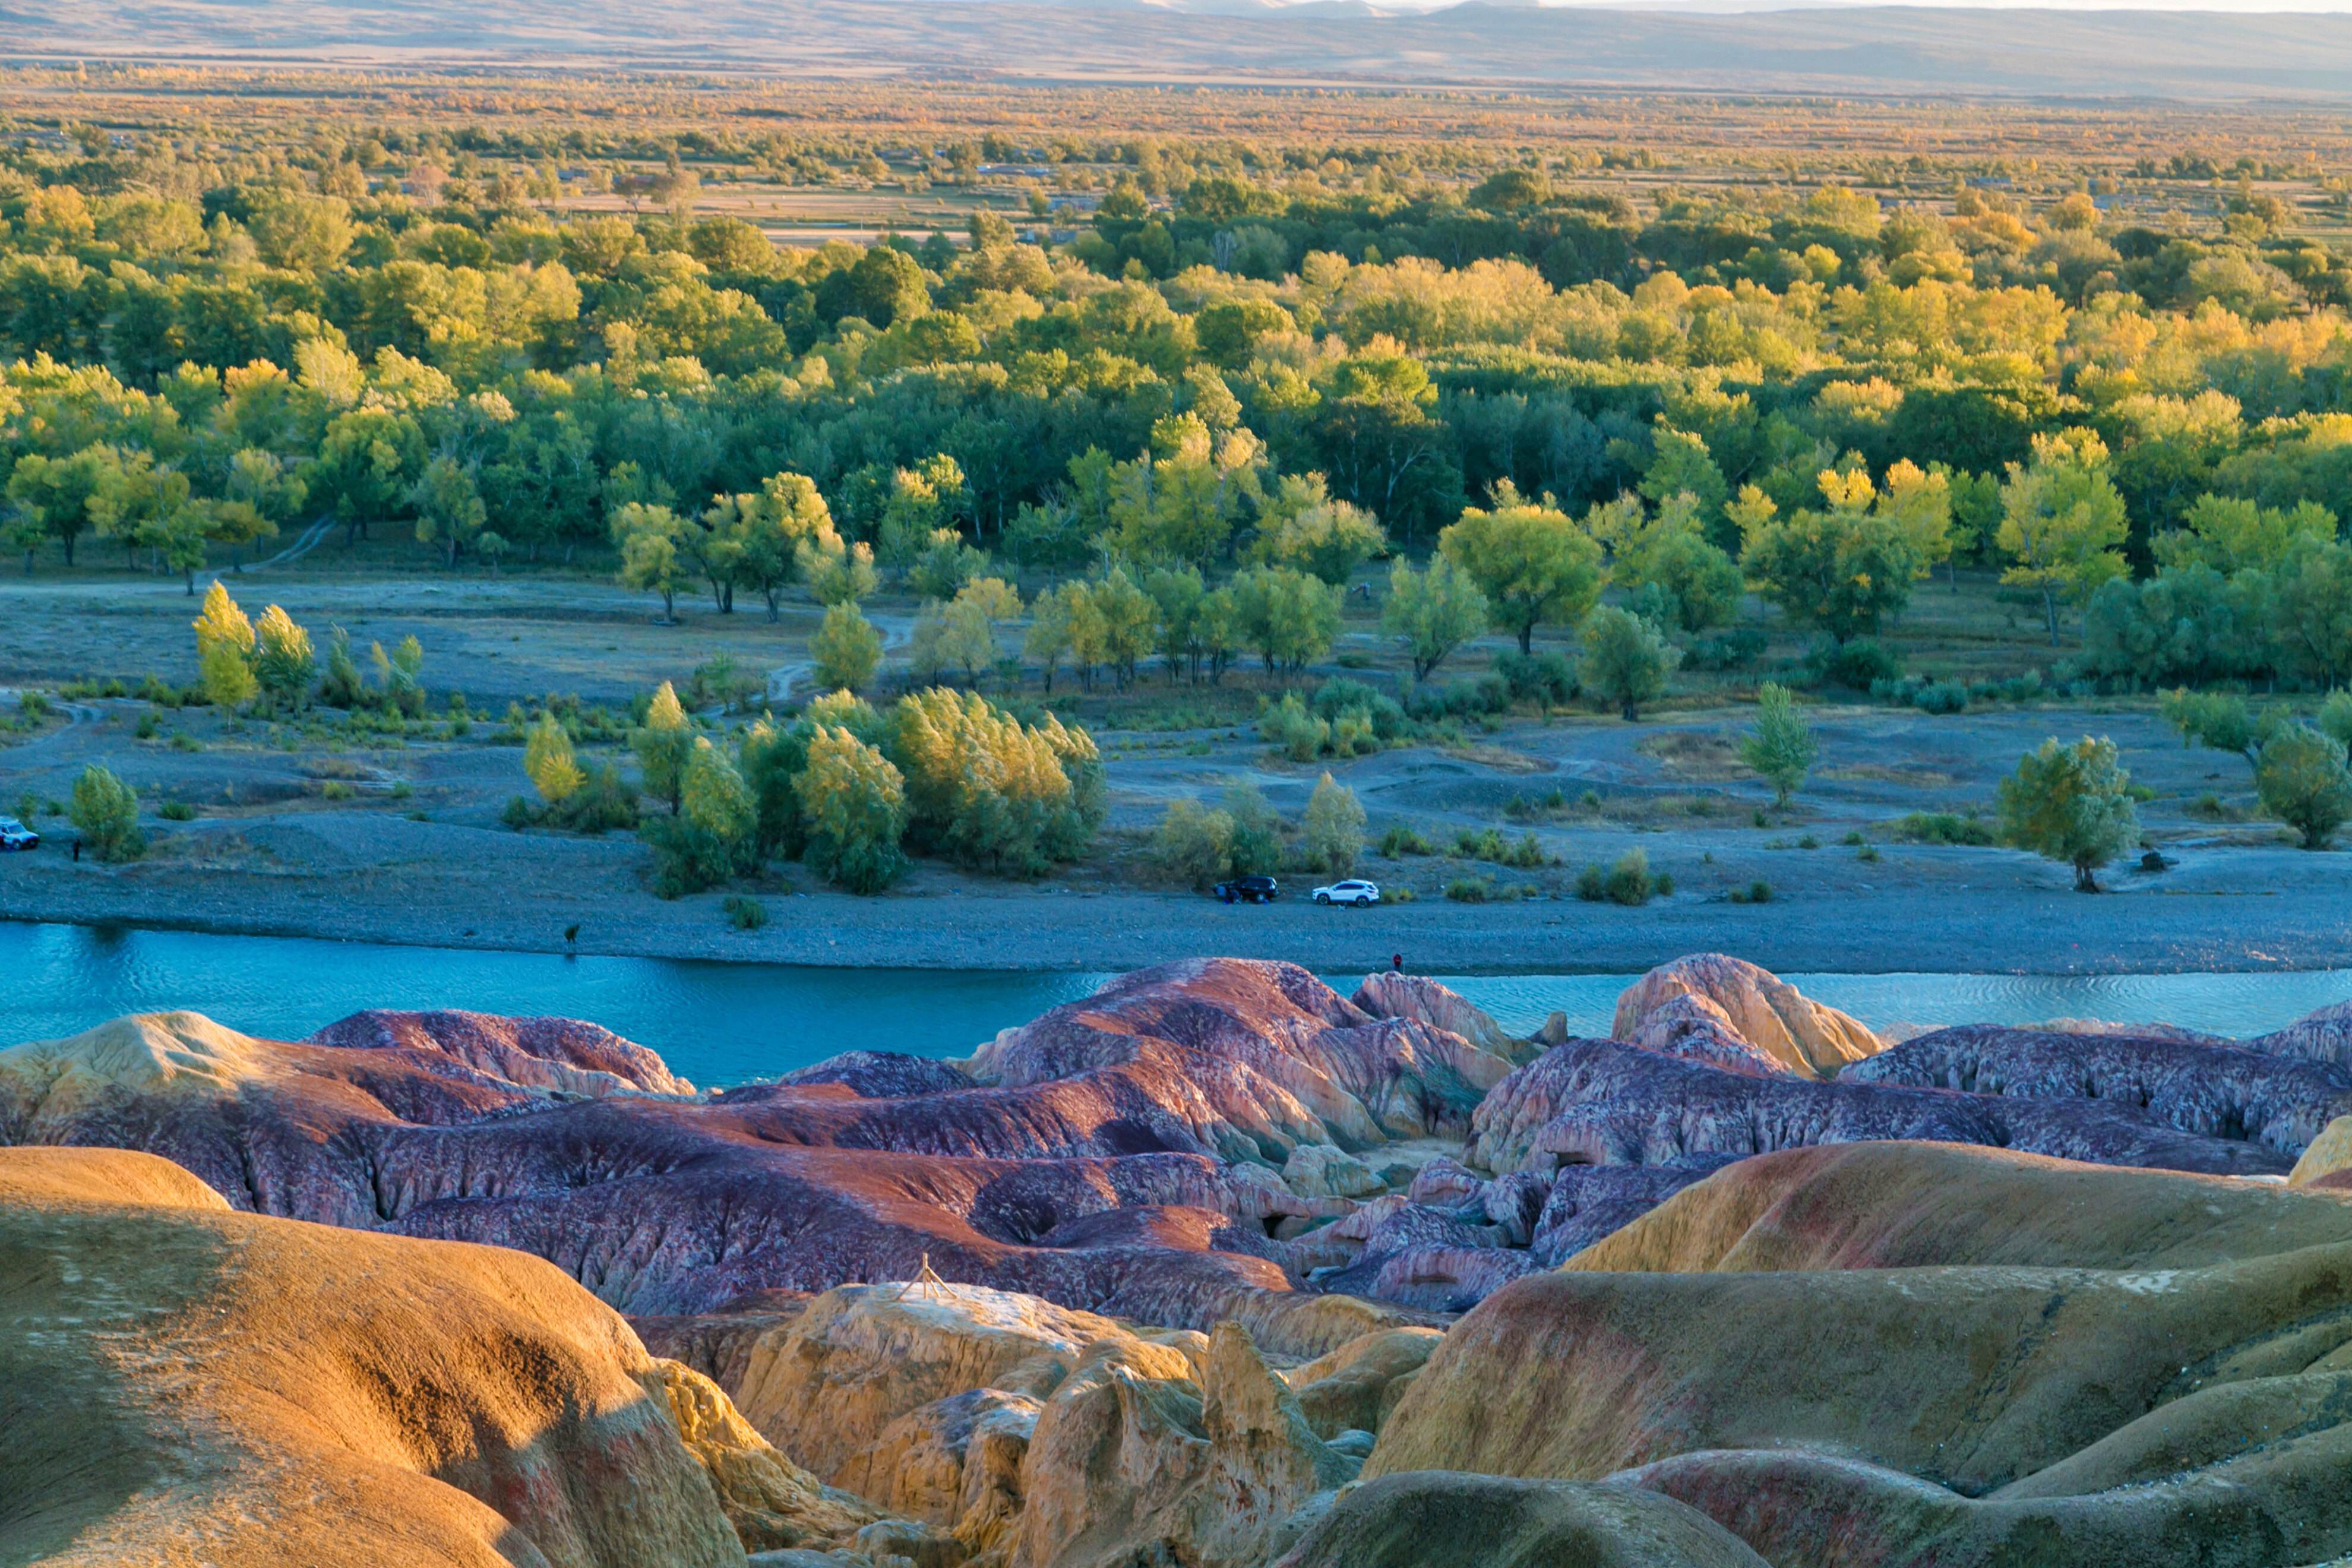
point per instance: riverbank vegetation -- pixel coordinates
(1244, 426)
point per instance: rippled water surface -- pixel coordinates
(727, 1022)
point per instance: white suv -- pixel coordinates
(14, 835)
(1358, 893)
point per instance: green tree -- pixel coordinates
(714, 837)
(1290, 618)
(2063, 521)
(400, 674)
(225, 650)
(649, 537)
(2072, 804)
(283, 661)
(449, 510)
(1126, 622)
(1334, 827)
(2217, 721)
(2308, 611)
(1302, 525)
(547, 758)
(105, 812)
(1535, 567)
(52, 496)
(1193, 846)
(1782, 750)
(837, 573)
(663, 743)
(1843, 569)
(2302, 781)
(1433, 612)
(852, 812)
(845, 650)
(1627, 659)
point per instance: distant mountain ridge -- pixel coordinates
(1861, 49)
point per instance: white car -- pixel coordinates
(14, 835)
(1358, 893)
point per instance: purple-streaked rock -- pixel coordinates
(2213, 1091)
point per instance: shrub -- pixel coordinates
(2335, 719)
(854, 811)
(2302, 781)
(846, 651)
(1336, 698)
(1334, 827)
(1192, 846)
(990, 792)
(177, 811)
(1470, 890)
(1258, 831)
(1626, 881)
(1734, 650)
(547, 759)
(1757, 893)
(1401, 841)
(1941, 697)
(105, 812)
(1857, 664)
(335, 789)
(1545, 679)
(1944, 827)
(2072, 804)
(604, 804)
(1288, 724)
(713, 835)
(744, 913)
(33, 704)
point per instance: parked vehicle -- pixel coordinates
(1249, 890)
(14, 835)
(1354, 890)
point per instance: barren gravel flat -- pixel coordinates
(416, 854)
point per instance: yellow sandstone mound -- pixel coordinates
(1910, 1205)
(1435, 1519)
(1901, 1356)
(182, 1383)
(2325, 1155)
(1769, 1014)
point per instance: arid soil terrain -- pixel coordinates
(414, 851)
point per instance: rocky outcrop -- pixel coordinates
(2212, 1092)
(2321, 1037)
(772, 1502)
(1134, 1461)
(1691, 1026)
(1439, 1518)
(562, 1054)
(862, 1356)
(1423, 1000)
(1354, 1388)
(2125, 1366)
(1247, 1060)
(1600, 1102)
(1768, 1014)
(1076, 1161)
(181, 1382)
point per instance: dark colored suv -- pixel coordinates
(1249, 890)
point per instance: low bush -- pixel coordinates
(1943, 828)
(1859, 663)
(1626, 881)
(1545, 679)
(1757, 893)
(744, 913)
(1401, 841)
(176, 811)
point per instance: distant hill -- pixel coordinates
(1897, 49)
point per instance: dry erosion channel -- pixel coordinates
(1216, 1267)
